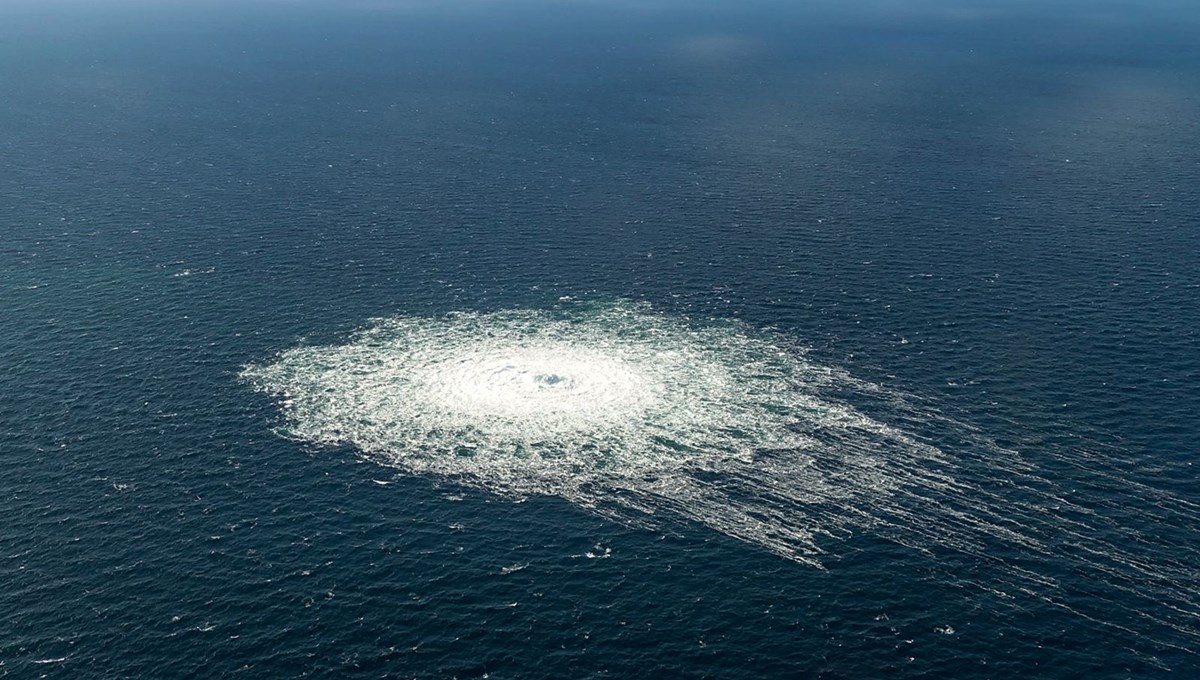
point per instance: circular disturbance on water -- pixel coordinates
(645, 417)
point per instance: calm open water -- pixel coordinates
(990, 209)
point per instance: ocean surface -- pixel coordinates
(626, 339)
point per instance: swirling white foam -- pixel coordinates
(527, 402)
(645, 417)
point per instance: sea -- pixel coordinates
(599, 339)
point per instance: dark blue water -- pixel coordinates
(992, 209)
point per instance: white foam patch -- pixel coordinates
(525, 402)
(648, 418)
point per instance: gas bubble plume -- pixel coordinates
(648, 419)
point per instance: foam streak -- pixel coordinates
(647, 418)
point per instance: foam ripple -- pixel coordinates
(647, 418)
(517, 400)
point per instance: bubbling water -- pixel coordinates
(528, 402)
(555, 386)
(647, 418)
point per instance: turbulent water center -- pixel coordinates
(649, 418)
(587, 398)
